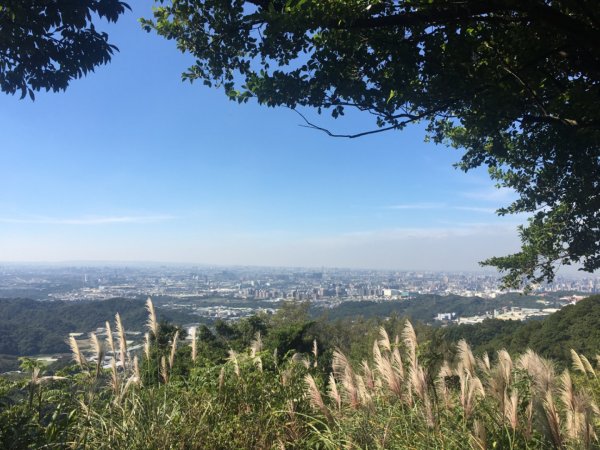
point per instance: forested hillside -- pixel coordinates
(29, 327)
(576, 326)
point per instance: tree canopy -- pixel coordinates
(514, 83)
(44, 44)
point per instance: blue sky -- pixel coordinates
(131, 164)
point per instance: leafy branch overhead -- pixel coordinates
(47, 44)
(514, 83)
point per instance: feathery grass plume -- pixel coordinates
(77, 355)
(384, 339)
(99, 352)
(173, 350)
(299, 358)
(419, 384)
(441, 387)
(344, 372)
(333, 392)
(350, 389)
(577, 363)
(147, 345)
(45, 379)
(528, 432)
(484, 363)
(572, 415)
(505, 363)
(540, 370)
(221, 378)
(35, 375)
(315, 352)
(110, 340)
(390, 376)
(511, 409)
(130, 381)
(410, 341)
(397, 362)
(194, 344)
(114, 377)
(377, 356)
(164, 373)
(339, 363)
(122, 340)
(470, 389)
(364, 396)
(233, 359)
(500, 377)
(598, 361)
(465, 356)
(587, 411)
(368, 375)
(316, 400)
(152, 324)
(256, 345)
(588, 366)
(553, 419)
(479, 435)
(136, 368)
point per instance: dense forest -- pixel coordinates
(288, 380)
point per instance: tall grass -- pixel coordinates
(173, 398)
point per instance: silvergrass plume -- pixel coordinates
(147, 345)
(77, 355)
(364, 396)
(110, 340)
(315, 352)
(122, 340)
(114, 380)
(98, 350)
(221, 378)
(314, 395)
(256, 345)
(368, 375)
(577, 363)
(299, 358)
(333, 392)
(465, 356)
(553, 419)
(173, 350)
(233, 359)
(567, 396)
(410, 340)
(164, 373)
(511, 405)
(384, 339)
(588, 366)
(152, 324)
(194, 344)
(541, 371)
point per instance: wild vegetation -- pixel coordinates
(286, 390)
